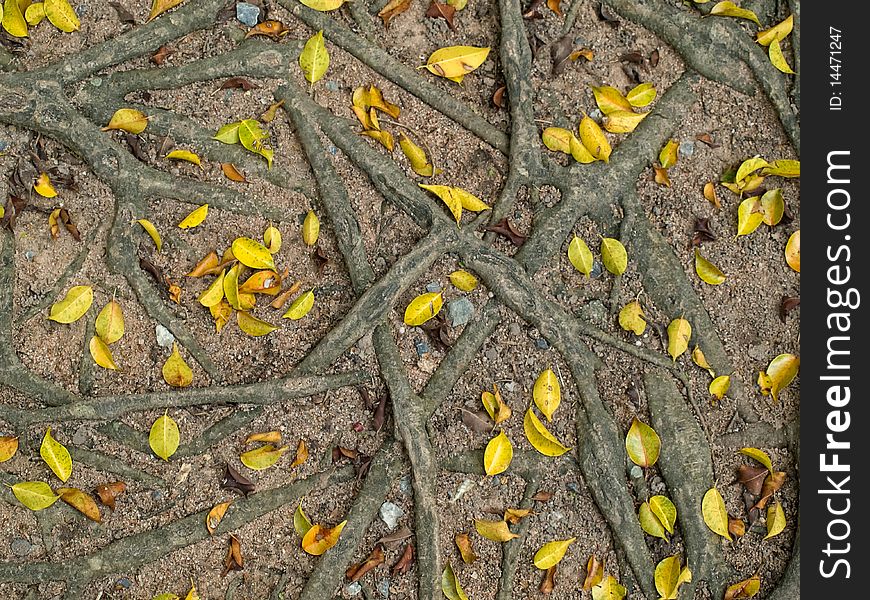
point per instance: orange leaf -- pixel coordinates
(319, 539)
(232, 173)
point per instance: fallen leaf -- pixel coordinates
(661, 176)
(310, 228)
(772, 207)
(669, 154)
(450, 585)
(444, 11)
(253, 254)
(318, 539)
(417, 157)
(194, 218)
(715, 514)
(776, 33)
(61, 15)
(498, 455)
(110, 323)
(736, 526)
(669, 576)
(610, 100)
(128, 119)
(551, 553)
(743, 589)
(403, 565)
(301, 454)
(43, 186)
(777, 58)
(729, 9)
(707, 271)
(13, 19)
(507, 229)
(300, 306)
(149, 227)
(775, 520)
(301, 523)
(455, 62)
(101, 354)
(164, 437)
(779, 373)
(515, 515)
(640, 96)
(706, 139)
(497, 531)
(233, 560)
(422, 308)
(547, 394)
(476, 421)
(549, 581)
(233, 480)
(642, 444)
(614, 256)
(702, 232)
(175, 293)
(719, 386)
(356, 572)
(80, 501)
(498, 97)
(221, 313)
(594, 572)
(623, 121)
(109, 492)
(8, 447)
(793, 251)
(185, 155)
(463, 280)
(158, 7)
(699, 359)
(237, 83)
(609, 589)
(56, 456)
(650, 523)
(323, 5)
(34, 495)
(175, 371)
(262, 457)
(496, 408)
(463, 542)
(159, 57)
(758, 455)
(214, 293)
(771, 485)
(632, 318)
(783, 168)
(253, 326)
(749, 166)
(314, 58)
(269, 28)
(679, 333)
(232, 173)
(593, 139)
(540, 438)
(392, 9)
(751, 477)
(580, 256)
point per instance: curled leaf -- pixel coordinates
(729, 9)
(215, 515)
(699, 359)
(778, 32)
(318, 539)
(594, 572)
(301, 523)
(669, 154)
(445, 193)
(651, 523)
(149, 227)
(710, 194)
(80, 501)
(665, 511)
(186, 156)
(108, 492)
(540, 438)
(450, 585)
(742, 590)
(779, 373)
(777, 58)
(463, 543)
(214, 293)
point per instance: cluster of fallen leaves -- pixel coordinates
(770, 38)
(17, 15)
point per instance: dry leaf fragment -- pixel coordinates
(710, 194)
(270, 28)
(788, 304)
(771, 485)
(752, 478)
(438, 10)
(109, 492)
(392, 9)
(356, 572)
(542, 496)
(301, 454)
(742, 590)
(233, 560)
(736, 526)
(507, 229)
(549, 581)
(661, 176)
(403, 565)
(158, 7)
(233, 480)
(232, 173)
(463, 542)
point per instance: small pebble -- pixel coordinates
(20, 547)
(510, 386)
(542, 343)
(405, 485)
(125, 583)
(390, 514)
(460, 311)
(686, 149)
(157, 495)
(29, 254)
(636, 472)
(333, 150)
(433, 287)
(421, 347)
(353, 589)
(247, 14)
(464, 487)
(384, 588)
(96, 81)
(491, 354)
(81, 435)
(596, 270)
(573, 487)
(515, 330)
(596, 115)
(332, 86)
(3, 145)
(165, 339)
(358, 427)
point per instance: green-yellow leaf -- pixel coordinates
(772, 207)
(272, 239)
(642, 444)
(166, 595)
(253, 326)
(194, 218)
(252, 253)
(775, 520)
(185, 155)
(547, 393)
(463, 280)
(715, 514)
(779, 373)
(650, 523)
(450, 586)
(301, 306)
(314, 58)
(8, 447)
(749, 216)
(445, 193)
(593, 139)
(262, 457)
(127, 119)
(62, 15)
(669, 154)
(175, 371)
(699, 359)
(301, 522)
(778, 32)
(455, 62)
(743, 590)
(416, 156)
(252, 135)
(164, 437)
(158, 7)
(13, 20)
(551, 553)
(110, 323)
(669, 577)
(34, 14)
(609, 99)
(614, 256)
(631, 318)
(35, 495)
(623, 121)
(497, 531)
(641, 95)
(783, 168)
(608, 589)
(149, 227)
(719, 386)
(422, 308)
(707, 271)
(498, 455)
(310, 229)
(74, 305)
(748, 166)
(323, 5)
(759, 455)
(101, 354)
(729, 9)
(231, 286)
(777, 58)
(665, 511)
(557, 139)
(580, 256)
(214, 293)
(793, 251)
(56, 456)
(540, 438)
(679, 333)
(229, 133)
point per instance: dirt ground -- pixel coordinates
(744, 310)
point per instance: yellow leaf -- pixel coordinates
(214, 293)
(580, 256)
(12, 19)
(496, 408)
(62, 15)
(759, 455)
(614, 256)
(221, 313)
(110, 323)
(557, 139)
(393, 8)
(665, 511)
(164, 437)
(384, 137)
(710, 194)
(192, 595)
(661, 176)
(8, 447)
(594, 572)
(579, 151)
(498, 455)
(450, 586)
(650, 523)
(774, 51)
(623, 121)
(74, 305)
(777, 32)
(641, 95)
(175, 371)
(772, 207)
(266, 436)
(775, 520)
(56, 456)
(35, 495)
(669, 154)
(455, 62)
(743, 590)
(80, 501)
(34, 14)
(463, 280)
(515, 515)
(272, 239)
(793, 251)
(642, 444)
(158, 7)
(185, 155)
(749, 216)
(783, 168)
(547, 394)
(715, 514)
(699, 359)
(593, 139)
(679, 333)
(323, 5)
(262, 457)
(310, 228)
(669, 577)
(609, 589)
(301, 454)
(318, 540)
(551, 553)
(301, 523)
(445, 193)
(631, 318)
(748, 166)
(252, 253)
(779, 373)
(610, 100)
(128, 119)
(422, 308)
(707, 271)
(262, 282)
(417, 157)
(463, 542)
(300, 306)
(729, 9)
(214, 516)
(43, 186)
(314, 58)
(101, 354)
(149, 227)
(497, 531)
(468, 200)
(719, 386)
(253, 326)
(541, 440)
(194, 218)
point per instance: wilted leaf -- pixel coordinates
(175, 371)
(650, 523)
(422, 308)
(214, 293)
(551, 553)
(759, 455)
(444, 11)
(497, 531)
(149, 227)
(269, 28)
(450, 585)
(742, 590)
(455, 62)
(498, 454)
(56, 456)
(495, 406)
(594, 572)
(547, 394)
(609, 589)
(729, 9)
(736, 527)
(669, 577)
(158, 7)
(357, 572)
(108, 492)
(707, 271)
(262, 457)
(128, 119)
(221, 313)
(164, 437)
(506, 228)
(233, 480)
(34, 495)
(301, 454)
(751, 477)
(476, 421)
(669, 154)
(43, 186)
(318, 539)
(623, 121)
(580, 256)
(679, 333)
(610, 100)
(661, 176)
(463, 543)
(699, 359)
(710, 194)
(641, 96)
(310, 228)
(417, 157)
(777, 32)
(775, 520)
(515, 515)
(80, 501)
(777, 58)
(614, 256)
(719, 386)
(783, 168)
(715, 514)
(549, 582)
(749, 166)
(541, 440)
(323, 5)
(779, 373)
(237, 83)
(300, 306)
(253, 254)
(793, 251)
(642, 444)
(593, 139)
(392, 9)
(631, 318)
(270, 113)
(403, 565)
(233, 560)
(314, 58)
(101, 354)
(8, 447)
(253, 326)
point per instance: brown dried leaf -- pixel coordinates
(238, 82)
(788, 304)
(233, 480)
(320, 259)
(705, 138)
(159, 57)
(549, 581)
(392, 9)
(702, 232)
(281, 299)
(124, 15)
(751, 477)
(532, 11)
(135, 147)
(594, 572)
(405, 561)
(771, 485)
(515, 515)
(271, 29)
(506, 228)
(233, 560)
(206, 265)
(476, 421)
(632, 57)
(736, 526)
(356, 572)
(301, 454)
(654, 59)
(380, 415)
(560, 52)
(392, 539)
(175, 293)
(108, 492)
(463, 542)
(437, 10)
(232, 173)
(498, 97)
(271, 112)
(13, 208)
(543, 496)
